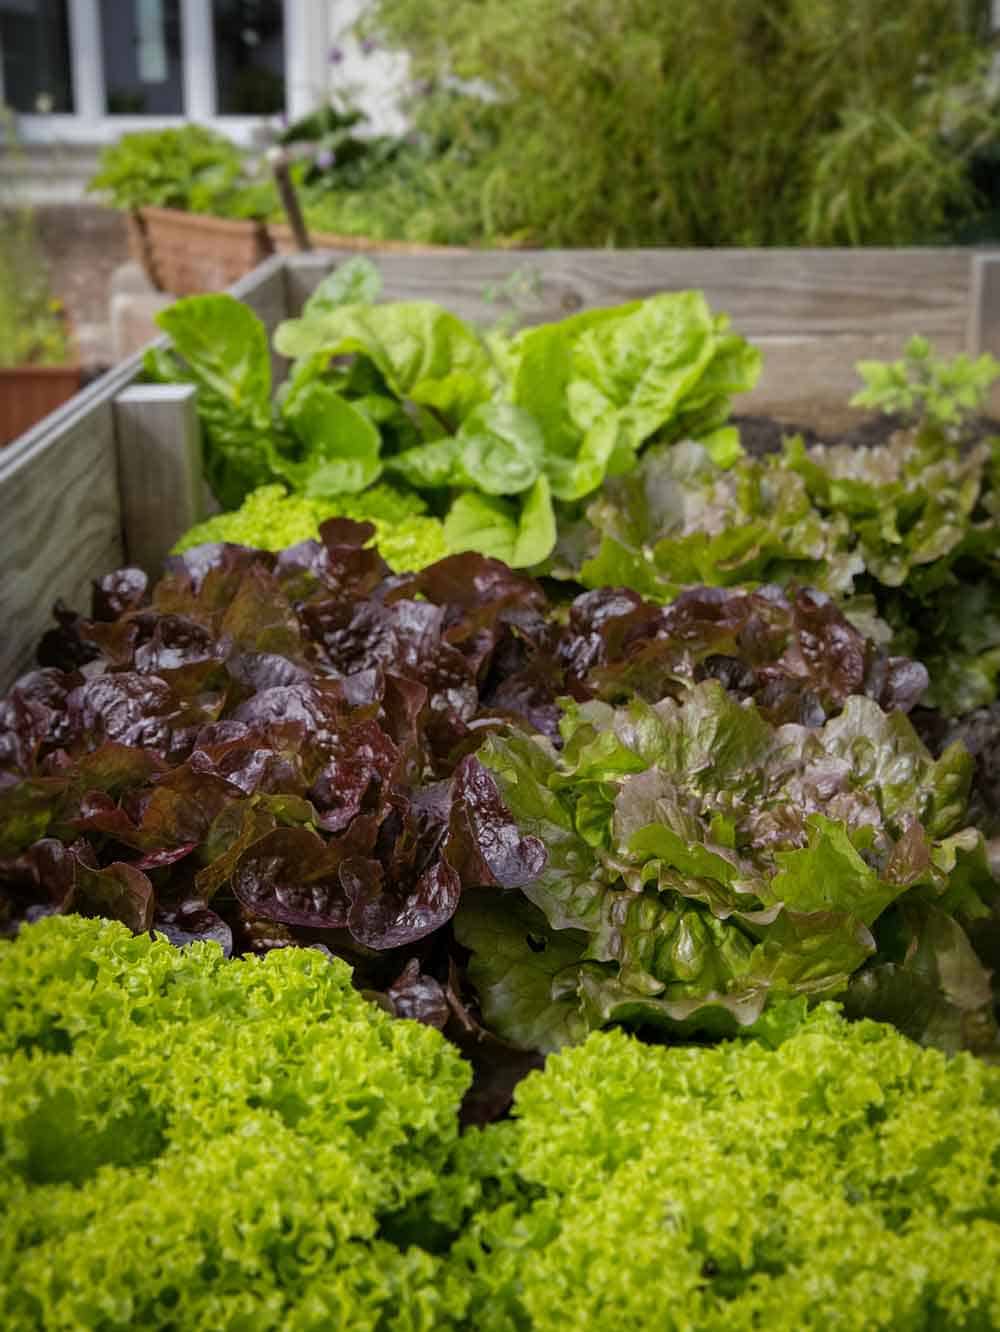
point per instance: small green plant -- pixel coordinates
(928, 389)
(189, 168)
(32, 323)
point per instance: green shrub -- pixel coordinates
(696, 123)
(190, 168)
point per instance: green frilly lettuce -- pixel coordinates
(270, 518)
(845, 1180)
(198, 1143)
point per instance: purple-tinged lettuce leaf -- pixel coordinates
(118, 593)
(418, 997)
(484, 843)
(384, 915)
(292, 875)
(716, 863)
(193, 922)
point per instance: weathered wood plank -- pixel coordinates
(60, 525)
(768, 293)
(264, 290)
(159, 469)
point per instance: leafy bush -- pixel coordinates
(710, 123)
(195, 1143)
(847, 1180)
(435, 185)
(190, 168)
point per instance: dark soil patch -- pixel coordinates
(979, 731)
(763, 434)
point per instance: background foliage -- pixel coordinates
(706, 121)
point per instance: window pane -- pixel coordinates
(142, 57)
(34, 40)
(249, 56)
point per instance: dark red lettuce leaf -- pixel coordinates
(484, 843)
(279, 750)
(67, 647)
(292, 875)
(117, 593)
(386, 915)
(418, 997)
(33, 716)
(193, 922)
(793, 652)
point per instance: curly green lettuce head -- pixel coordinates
(271, 519)
(704, 865)
(848, 1180)
(201, 1143)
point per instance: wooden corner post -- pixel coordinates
(984, 312)
(159, 469)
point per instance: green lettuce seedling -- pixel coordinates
(270, 518)
(923, 387)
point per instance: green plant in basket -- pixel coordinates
(189, 168)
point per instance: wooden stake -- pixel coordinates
(159, 469)
(290, 200)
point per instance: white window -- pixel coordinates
(88, 70)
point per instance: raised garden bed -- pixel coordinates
(658, 781)
(813, 312)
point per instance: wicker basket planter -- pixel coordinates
(29, 392)
(184, 253)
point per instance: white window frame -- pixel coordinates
(307, 41)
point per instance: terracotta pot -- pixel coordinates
(29, 392)
(283, 242)
(184, 253)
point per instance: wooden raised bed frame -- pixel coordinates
(114, 476)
